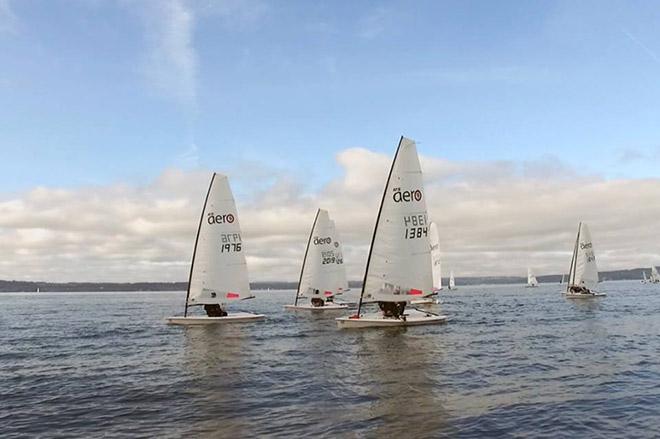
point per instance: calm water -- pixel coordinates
(511, 362)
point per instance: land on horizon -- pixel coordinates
(15, 286)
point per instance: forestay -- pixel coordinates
(434, 241)
(586, 271)
(322, 269)
(219, 271)
(399, 264)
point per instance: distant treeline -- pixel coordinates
(7, 286)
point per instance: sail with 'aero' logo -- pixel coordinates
(584, 271)
(399, 262)
(322, 275)
(219, 272)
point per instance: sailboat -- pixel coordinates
(452, 282)
(583, 275)
(218, 272)
(399, 261)
(654, 278)
(644, 279)
(322, 274)
(561, 281)
(531, 279)
(436, 268)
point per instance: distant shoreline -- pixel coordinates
(13, 286)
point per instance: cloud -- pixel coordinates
(495, 218)
(644, 47)
(8, 19)
(374, 23)
(171, 61)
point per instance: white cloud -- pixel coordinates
(494, 217)
(171, 61)
(8, 19)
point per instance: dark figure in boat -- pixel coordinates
(215, 310)
(392, 309)
(577, 289)
(317, 301)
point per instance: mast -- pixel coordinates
(302, 269)
(199, 228)
(574, 259)
(373, 237)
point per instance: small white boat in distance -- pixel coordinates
(654, 278)
(583, 275)
(531, 279)
(399, 261)
(218, 272)
(436, 268)
(322, 274)
(452, 282)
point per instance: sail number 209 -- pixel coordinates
(415, 226)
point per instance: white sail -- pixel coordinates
(342, 280)
(219, 272)
(644, 276)
(399, 263)
(585, 270)
(434, 241)
(321, 275)
(655, 277)
(452, 282)
(531, 279)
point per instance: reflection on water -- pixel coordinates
(511, 362)
(397, 369)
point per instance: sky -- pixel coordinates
(529, 117)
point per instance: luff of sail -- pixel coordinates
(218, 272)
(584, 268)
(436, 265)
(321, 275)
(399, 262)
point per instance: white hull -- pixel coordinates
(237, 317)
(413, 318)
(583, 296)
(310, 307)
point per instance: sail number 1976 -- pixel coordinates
(416, 226)
(231, 242)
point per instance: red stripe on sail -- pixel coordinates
(414, 292)
(233, 295)
(328, 293)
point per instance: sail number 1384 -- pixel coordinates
(416, 226)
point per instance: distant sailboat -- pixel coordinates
(399, 261)
(531, 279)
(322, 274)
(452, 282)
(655, 277)
(436, 267)
(644, 279)
(218, 272)
(583, 275)
(561, 281)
